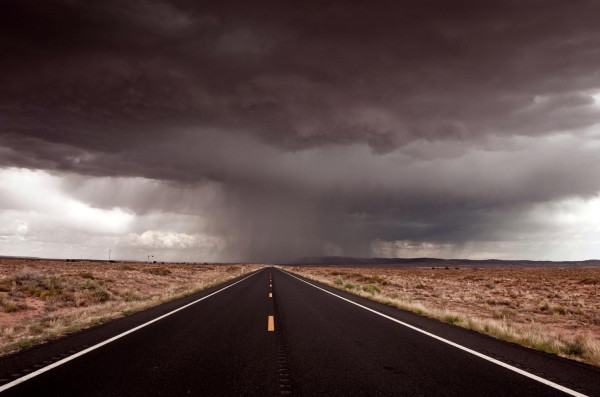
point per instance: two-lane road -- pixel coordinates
(222, 344)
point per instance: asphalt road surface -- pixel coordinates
(273, 333)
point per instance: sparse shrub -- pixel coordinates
(30, 282)
(66, 298)
(86, 275)
(5, 285)
(505, 313)
(8, 305)
(25, 343)
(130, 295)
(95, 293)
(338, 281)
(48, 286)
(160, 271)
(372, 289)
(369, 279)
(36, 329)
(350, 286)
(102, 295)
(27, 274)
(575, 348)
(451, 319)
(560, 310)
(589, 280)
(100, 320)
(389, 302)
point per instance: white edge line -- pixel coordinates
(466, 349)
(114, 338)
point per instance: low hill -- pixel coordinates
(437, 262)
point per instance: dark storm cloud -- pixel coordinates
(274, 100)
(297, 75)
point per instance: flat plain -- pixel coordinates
(553, 309)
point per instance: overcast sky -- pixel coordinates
(273, 130)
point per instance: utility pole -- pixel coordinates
(109, 255)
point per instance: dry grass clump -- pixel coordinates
(41, 300)
(550, 309)
(158, 271)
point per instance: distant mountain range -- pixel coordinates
(436, 262)
(392, 262)
(18, 257)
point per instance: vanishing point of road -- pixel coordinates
(274, 333)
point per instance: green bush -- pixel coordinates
(576, 348)
(7, 305)
(451, 319)
(372, 289)
(97, 292)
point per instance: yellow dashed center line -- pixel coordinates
(270, 294)
(271, 325)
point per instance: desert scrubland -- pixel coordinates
(43, 299)
(556, 310)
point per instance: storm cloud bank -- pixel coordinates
(272, 130)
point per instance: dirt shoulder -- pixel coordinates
(43, 299)
(556, 310)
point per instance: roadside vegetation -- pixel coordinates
(42, 300)
(555, 310)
